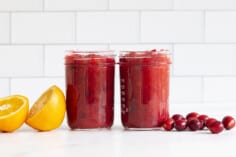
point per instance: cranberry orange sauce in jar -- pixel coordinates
(90, 89)
(144, 84)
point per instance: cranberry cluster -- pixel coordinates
(194, 121)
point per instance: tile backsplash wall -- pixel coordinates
(200, 34)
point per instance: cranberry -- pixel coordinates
(181, 124)
(192, 115)
(169, 124)
(210, 121)
(194, 124)
(202, 118)
(228, 122)
(177, 117)
(216, 127)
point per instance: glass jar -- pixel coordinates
(90, 89)
(144, 84)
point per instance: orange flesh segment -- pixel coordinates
(9, 106)
(39, 104)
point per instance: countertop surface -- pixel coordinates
(118, 143)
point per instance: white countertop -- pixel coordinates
(117, 142)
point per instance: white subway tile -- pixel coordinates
(34, 87)
(204, 59)
(185, 90)
(4, 87)
(222, 89)
(4, 28)
(76, 4)
(140, 4)
(43, 28)
(21, 61)
(220, 26)
(107, 27)
(233, 58)
(212, 109)
(172, 26)
(22, 5)
(54, 57)
(205, 4)
(140, 47)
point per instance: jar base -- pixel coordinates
(91, 129)
(142, 129)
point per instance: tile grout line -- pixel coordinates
(108, 46)
(10, 28)
(118, 10)
(43, 55)
(140, 26)
(207, 76)
(69, 11)
(75, 25)
(43, 5)
(120, 43)
(173, 5)
(36, 77)
(204, 26)
(108, 5)
(61, 76)
(9, 85)
(203, 89)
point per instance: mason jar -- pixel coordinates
(89, 79)
(144, 88)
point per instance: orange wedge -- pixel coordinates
(48, 111)
(13, 112)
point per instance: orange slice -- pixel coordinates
(13, 112)
(48, 111)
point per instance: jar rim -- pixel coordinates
(151, 50)
(103, 57)
(145, 58)
(87, 55)
(86, 52)
(139, 54)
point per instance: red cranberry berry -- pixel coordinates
(202, 118)
(177, 117)
(169, 124)
(193, 124)
(210, 121)
(228, 122)
(216, 127)
(192, 115)
(181, 124)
